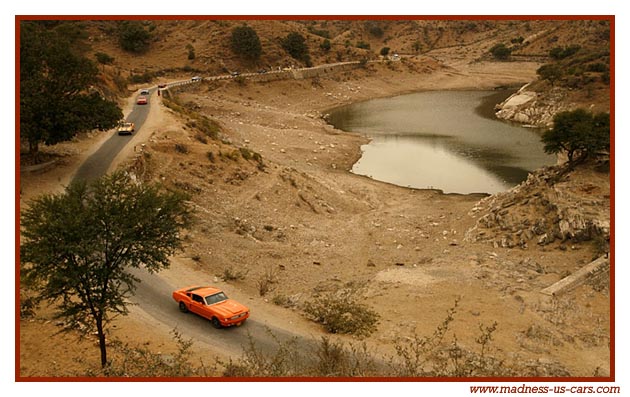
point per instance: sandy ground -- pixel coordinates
(317, 227)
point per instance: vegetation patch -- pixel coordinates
(341, 313)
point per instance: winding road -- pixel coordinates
(153, 293)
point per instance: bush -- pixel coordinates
(295, 45)
(550, 72)
(363, 45)
(245, 43)
(384, 51)
(133, 37)
(325, 45)
(500, 51)
(191, 51)
(341, 313)
(103, 58)
(563, 52)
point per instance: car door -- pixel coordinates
(197, 305)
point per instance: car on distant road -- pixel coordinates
(262, 71)
(196, 78)
(142, 100)
(162, 85)
(212, 304)
(234, 73)
(144, 92)
(126, 128)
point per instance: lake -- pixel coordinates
(446, 140)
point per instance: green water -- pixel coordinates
(446, 140)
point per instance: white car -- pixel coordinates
(144, 92)
(196, 78)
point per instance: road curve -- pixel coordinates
(153, 293)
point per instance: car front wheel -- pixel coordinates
(182, 307)
(215, 323)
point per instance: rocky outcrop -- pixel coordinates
(551, 205)
(533, 108)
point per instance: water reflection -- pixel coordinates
(442, 140)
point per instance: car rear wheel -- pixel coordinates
(182, 307)
(215, 323)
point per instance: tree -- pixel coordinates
(578, 132)
(384, 51)
(500, 51)
(79, 246)
(325, 45)
(550, 72)
(133, 37)
(295, 45)
(56, 96)
(245, 43)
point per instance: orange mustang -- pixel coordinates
(213, 304)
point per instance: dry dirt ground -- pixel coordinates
(316, 227)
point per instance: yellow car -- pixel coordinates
(126, 128)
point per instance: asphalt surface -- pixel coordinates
(98, 163)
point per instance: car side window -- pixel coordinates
(198, 298)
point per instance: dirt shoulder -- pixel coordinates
(313, 227)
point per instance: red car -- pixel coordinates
(213, 304)
(142, 100)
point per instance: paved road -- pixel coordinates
(153, 293)
(98, 163)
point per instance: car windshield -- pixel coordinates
(216, 298)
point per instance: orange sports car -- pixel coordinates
(213, 304)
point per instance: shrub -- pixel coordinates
(133, 37)
(500, 51)
(363, 45)
(245, 43)
(295, 45)
(191, 51)
(563, 52)
(181, 148)
(230, 274)
(325, 45)
(550, 72)
(341, 313)
(266, 281)
(384, 51)
(103, 58)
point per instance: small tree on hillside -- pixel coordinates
(246, 43)
(578, 132)
(133, 37)
(501, 52)
(550, 72)
(79, 246)
(295, 45)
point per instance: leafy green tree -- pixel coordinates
(56, 99)
(500, 51)
(578, 132)
(246, 43)
(384, 51)
(79, 246)
(295, 45)
(550, 72)
(133, 37)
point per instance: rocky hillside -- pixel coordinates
(554, 205)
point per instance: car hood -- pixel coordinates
(229, 308)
